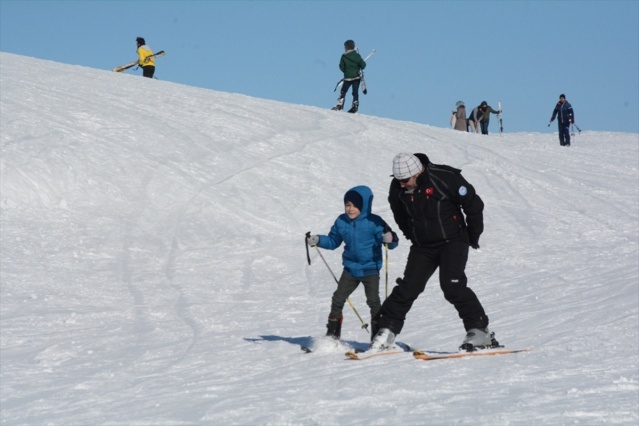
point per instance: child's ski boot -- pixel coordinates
(339, 106)
(334, 327)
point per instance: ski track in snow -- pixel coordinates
(152, 267)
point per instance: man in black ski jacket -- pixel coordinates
(428, 202)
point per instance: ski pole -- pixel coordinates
(386, 246)
(386, 229)
(501, 125)
(577, 127)
(364, 325)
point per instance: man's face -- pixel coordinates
(410, 183)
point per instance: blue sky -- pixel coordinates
(430, 54)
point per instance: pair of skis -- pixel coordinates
(431, 356)
(132, 64)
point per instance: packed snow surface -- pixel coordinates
(153, 268)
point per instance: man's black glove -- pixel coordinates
(474, 242)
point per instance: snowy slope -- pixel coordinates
(153, 269)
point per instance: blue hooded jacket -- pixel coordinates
(362, 238)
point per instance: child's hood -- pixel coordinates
(367, 200)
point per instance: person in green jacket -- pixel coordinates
(351, 64)
(485, 110)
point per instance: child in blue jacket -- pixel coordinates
(363, 234)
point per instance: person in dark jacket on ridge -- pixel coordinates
(565, 116)
(474, 119)
(428, 202)
(351, 64)
(363, 234)
(486, 110)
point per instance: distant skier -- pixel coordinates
(351, 64)
(145, 60)
(363, 234)
(458, 119)
(485, 118)
(565, 116)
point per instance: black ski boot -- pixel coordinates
(334, 327)
(374, 328)
(339, 106)
(354, 108)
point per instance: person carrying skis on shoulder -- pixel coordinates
(458, 119)
(440, 213)
(351, 64)
(565, 116)
(146, 60)
(363, 234)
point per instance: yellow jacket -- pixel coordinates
(144, 52)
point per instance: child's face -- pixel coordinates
(351, 211)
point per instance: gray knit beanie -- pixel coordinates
(406, 165)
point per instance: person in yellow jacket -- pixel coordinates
(145, 60)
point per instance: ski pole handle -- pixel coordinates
(308, 256)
